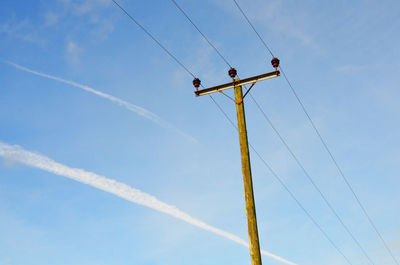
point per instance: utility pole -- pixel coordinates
(254, 244)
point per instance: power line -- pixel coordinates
(339, 169)
(284, 186)
(204, 36)
(219, 107)
(276, 131)
(248, 21)
(311, 179)
(322, 141)
(153, 38)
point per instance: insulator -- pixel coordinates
(196, 82)
(275, 62)
(232, 72)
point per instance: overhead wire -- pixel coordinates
(276, 131)
(251, 24)
(231, 122)
(323, 141)
(204, 36)
(152, 37)
(286, 188)
(187, 70)
(181, 64)
(341, 172)
(312, 181)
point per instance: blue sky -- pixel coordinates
(341, 57)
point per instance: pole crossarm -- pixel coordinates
(242, 82)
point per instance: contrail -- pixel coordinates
(137, 109)
(18, 154)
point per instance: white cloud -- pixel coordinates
(119, 189)
(103, 29)
(51, 18)
(137, 109)
(21, 29)
(355, 68)
(80, 8)
(386, 97)
(270, 15)
(396, 243)
(73, 52)
(93, 22)
(202, 63)
(90, 16)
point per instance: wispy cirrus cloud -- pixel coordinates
(355, 67)
(18, 154)
(84, 7)
(51, 18)
(132, 107)
(73, 52)
(92, 17)
(271, 16)
(20, 29)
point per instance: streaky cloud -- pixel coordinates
(18, 154)
(132, 107)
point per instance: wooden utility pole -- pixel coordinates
(254, 244)
(247, 180)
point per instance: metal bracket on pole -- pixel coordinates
(248, 90)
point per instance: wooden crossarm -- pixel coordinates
(242, 82)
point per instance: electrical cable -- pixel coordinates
(340, 169)
(251, 24)
(284, 186)
(201, 33)
(276, 131)
(219, 107)
(322, 140)
(311, 180)
(152, 37)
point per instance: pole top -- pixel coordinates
(232, 72)
(196, 83)
(275, 63)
